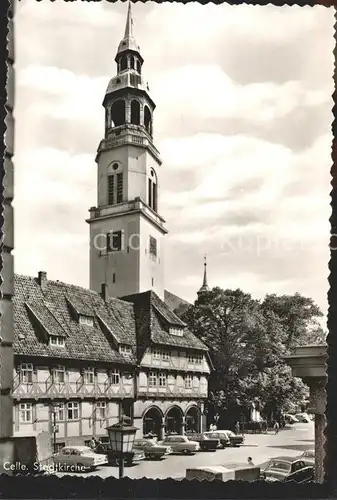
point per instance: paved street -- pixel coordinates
(260, 447)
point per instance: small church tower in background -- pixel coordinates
(204, 288)
(126, 229)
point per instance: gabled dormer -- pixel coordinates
(81, 312)
(47, 327)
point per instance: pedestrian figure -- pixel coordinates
(250, 461)
(237, 428)
(93, 443)
(276, 427)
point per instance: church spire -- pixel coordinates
(204, 287)
(129, 23)
(128, 43)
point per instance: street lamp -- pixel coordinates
(122, 436)
(55, 427)
(203, 413)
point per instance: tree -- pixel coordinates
(298, 316)
(248, 340)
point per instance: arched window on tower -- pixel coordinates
(132, 62)
(118, 113)
(123, 63)
(148, 120)
(139, 66)
(135, 112)
(153, 191)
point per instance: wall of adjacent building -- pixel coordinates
(7, 273)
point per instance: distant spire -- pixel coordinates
(204, 287)
(129, 23)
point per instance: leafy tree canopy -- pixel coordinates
(248, 339)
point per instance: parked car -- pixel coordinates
(180, 444)
(226, 438)
(151, 448)
(303, 418)
(130, 458)
(290, 419)
(79, 458)
(309, 457)
(205, 442)
(288, 469)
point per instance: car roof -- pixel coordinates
(286, 459)
(79, 448)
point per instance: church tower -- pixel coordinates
(204, 288)
(126, 230)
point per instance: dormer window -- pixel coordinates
(178, 332)
(125, 349)
(57, 341)
(86, 320)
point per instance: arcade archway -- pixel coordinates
(152, 421)
(193, 419)
(174, 421)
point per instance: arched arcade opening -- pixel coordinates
(118, 113)
(193, 419)
(135, 112)
(174, 421)
(152, 422)
(148, 120)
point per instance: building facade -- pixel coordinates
(82, 360)
(85, 357)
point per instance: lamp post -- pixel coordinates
(55, 427)
(203, 413)
(122, 436)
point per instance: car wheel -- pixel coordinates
(187, 452)
(81, 466)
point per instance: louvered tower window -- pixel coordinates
(119, 188)
(111, 190)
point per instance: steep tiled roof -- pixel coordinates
(173, 301)
(48, 307)
(170, 317)
(153, 320)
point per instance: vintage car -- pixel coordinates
(226, 437)
(303, 418)
(290, 419)
(78, 459)
(286, 469)
(206, 443)
(130, 458)
(151, 448)
(309, 457)
(180, 444)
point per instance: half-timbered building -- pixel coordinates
(85, 357)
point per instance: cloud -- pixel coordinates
(242, 122)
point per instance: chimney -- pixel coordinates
(104, 291)
(42, 278)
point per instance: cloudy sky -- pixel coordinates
(242, 122)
